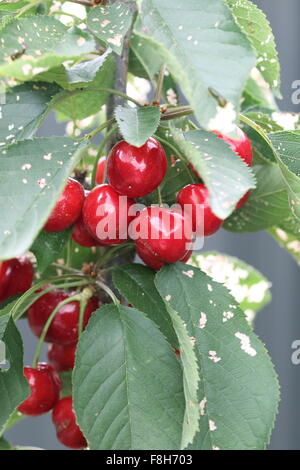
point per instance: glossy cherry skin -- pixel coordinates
(45, 388)
(194, 195)
(136, 171)
(62, 357)
(67, 209)
(164, 239)
(67, 430)
(105, 209)
(242, 145)
(16, 276)
(64, 327)
(82, 236)
(100, 172)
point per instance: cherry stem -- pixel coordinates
(47, 326)
(160, 83)
(36, 286)
(83, 2)
(113, 253)
(85, 296)
(159, 198)
(66, 268)
(100, 151)
(108, 291)
(174, 113)
(99, 129)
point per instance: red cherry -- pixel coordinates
(197, 197)
(105, 215)
(67, 209)
(64, 327)
(82, 236)
(161, 237)
(45, 388)
(100, 173)
(62, 357)
(241, 145)
(67, 430)
(16, 276)
(137, 171)
(243, 201)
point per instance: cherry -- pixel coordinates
(197, 195)
(106, 215)
(67, 209)
(62, 357)
(16, 276)
(100, 173)
(161, 237)
(64, 327)
(241, 145)
(137, 171)
(45, 388)
(67, 430)
(81, 235)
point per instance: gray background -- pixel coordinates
(279, 324)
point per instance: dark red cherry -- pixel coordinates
(67, 209)
(64, 328)
(137, 171)
(16, 276)
(194, 199)
(162, 236)
(82, 236)
(100, 173)
(45, 388)
(106, 215)
(67, 430)
(240, 145)
(62, 357)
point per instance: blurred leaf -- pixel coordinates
(202, 47)
(110, 23)
(255, 25)
(48, 246)
(24, 109)
(288, 241)
(39, 43)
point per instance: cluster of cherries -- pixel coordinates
(132, 172)
(135, 172)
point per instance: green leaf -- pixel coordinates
(238, 395)
(127, 383)
(288, 241)
(48, 246)
(190, 379)
(203, 49)
(248, 286)
(137, 124)
(75, 76)
(255, 96)
(24, 110)
(111, 23)
(267, 205)
(4, 444)
(33, 174)
(135, 282)
(287, 152)
(39, 43)
(14, 387)
(225, 174)
(66, 384)
(83, 101)
(254, 24)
